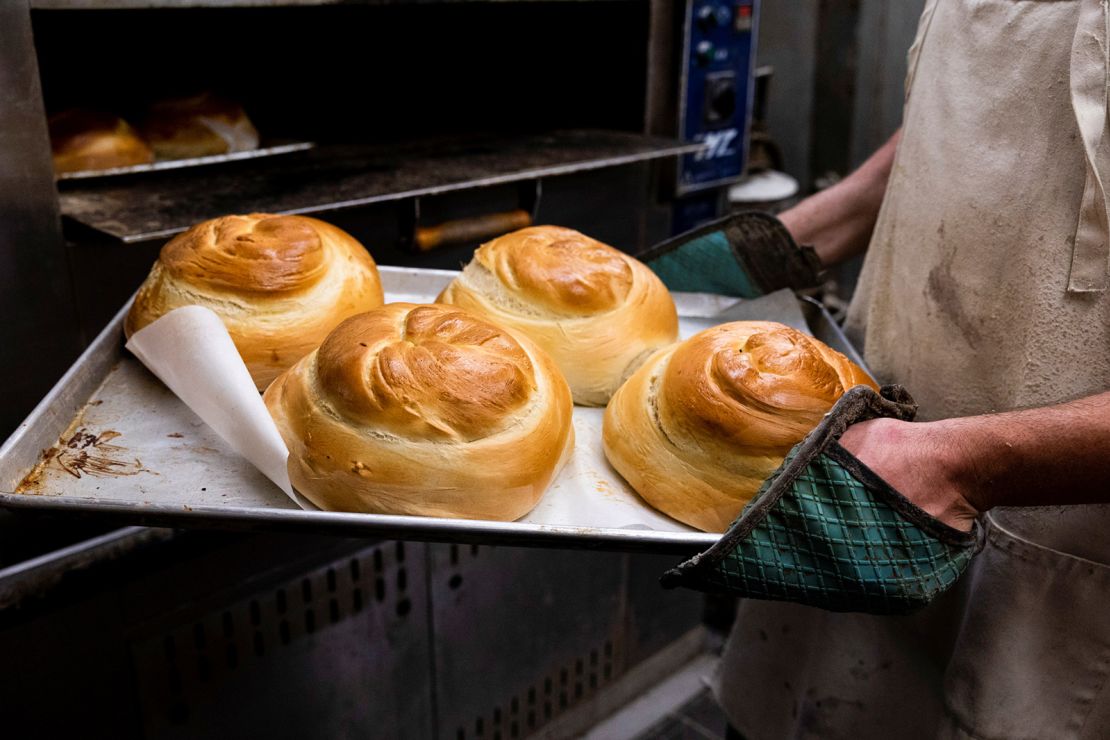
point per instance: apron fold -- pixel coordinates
(1033, 654)
(1090, 65)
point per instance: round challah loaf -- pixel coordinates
(699, 427)
(426, 410)
(91, 140)
(279, 283)
(198, 126)
(598, 312)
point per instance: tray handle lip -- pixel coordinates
(75, 375)
(390, 525)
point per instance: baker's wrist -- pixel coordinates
(795, 223)
(956, 466)
(771, 254)
(975, 456)
(921, 462)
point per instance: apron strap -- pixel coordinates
(914, 54)
(1090, 74)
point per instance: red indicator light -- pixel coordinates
(745, 18)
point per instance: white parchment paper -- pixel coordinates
(191, 352)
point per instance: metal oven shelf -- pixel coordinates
(268, 149)
(327, 178)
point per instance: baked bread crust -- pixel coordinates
(424, 410)
(703, 423)
(280, 284)
(198, 126)
(89, 140)
(597, 311)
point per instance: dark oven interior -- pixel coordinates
(421, 114)
(363, 73)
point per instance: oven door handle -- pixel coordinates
(419, 238)
(472, 229)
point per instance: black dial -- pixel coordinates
(720, 99)
(724, 102)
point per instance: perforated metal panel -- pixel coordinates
(339, 651)
(521, 635)
(656, 618)
(294, 636)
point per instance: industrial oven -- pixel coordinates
(421, 128)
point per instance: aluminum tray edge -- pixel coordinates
(386, 526)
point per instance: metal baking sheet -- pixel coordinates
(177, 164)
(111, 441)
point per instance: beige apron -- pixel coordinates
(984, 290)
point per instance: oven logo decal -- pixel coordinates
(718, 144)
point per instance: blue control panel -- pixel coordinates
(717, 91)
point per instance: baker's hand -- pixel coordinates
(744, 254)
(914, 458)
(827, 530)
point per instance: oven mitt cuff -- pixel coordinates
(826, 531)
(744, 254)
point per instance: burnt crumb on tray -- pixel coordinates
(84, 454)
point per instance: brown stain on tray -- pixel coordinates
(83, 453)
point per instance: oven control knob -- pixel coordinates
(722, 104)
(704, 53)
(707, 17)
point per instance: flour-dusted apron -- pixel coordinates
(984, 290)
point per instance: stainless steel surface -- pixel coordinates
(38, 329)
(37, 576)
(65, 401)
(328, 178)
(285, 636)
(653, 617)
(647, 692)
(498, 676)
(263, 518)
(177, 164)
(828, 331)
(339, 648)
(214, 635)
(606, 634)
(121, 446)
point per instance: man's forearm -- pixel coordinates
(1052, 455)
(838, 222)
(955, 468)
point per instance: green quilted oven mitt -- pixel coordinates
(746, 254)
(826, 531)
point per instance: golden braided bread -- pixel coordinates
(703, 423)
(424, 410)
(91, 140)
(598, 312)
(198, 126)
(280, 284)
